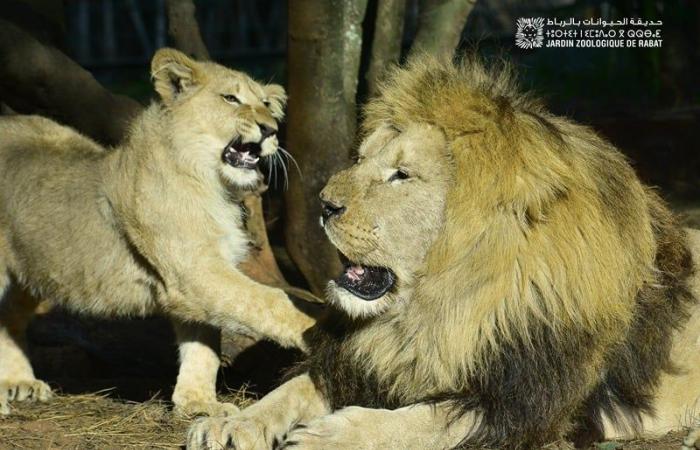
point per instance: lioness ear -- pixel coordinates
(173, 73)
(277, 98)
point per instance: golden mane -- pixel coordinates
(546, 224)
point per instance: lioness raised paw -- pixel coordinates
(206, 408)
(220, 433)
(22, 390)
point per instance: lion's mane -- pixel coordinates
(553, 286)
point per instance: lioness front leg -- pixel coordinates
(199, 346)
(263, 424)
(419, 426)
(17, 381)
(225, 298)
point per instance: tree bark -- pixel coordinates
(440, 26)
(39, 79)
(184, 30)
(325, 40)
(386, 42)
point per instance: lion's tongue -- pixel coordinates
(354, 273)
(367, 283)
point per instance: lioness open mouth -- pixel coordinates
(240, 155)
(366, 282)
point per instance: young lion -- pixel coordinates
(509, 282)
(149, 227)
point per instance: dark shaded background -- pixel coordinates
(645, 100)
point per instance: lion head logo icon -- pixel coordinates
(529, 33)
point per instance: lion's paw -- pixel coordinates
(227, 433)
(338, 431)
(22, 390)
(205, 408)
(692, 441)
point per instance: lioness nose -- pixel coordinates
(329, 210)
(266, 131)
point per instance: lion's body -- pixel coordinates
(153, 226)
(541, 290)
(60, 228)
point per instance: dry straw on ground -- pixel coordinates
(95, 421)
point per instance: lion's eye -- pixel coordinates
(266, 103)
(230, 98)
(399, 175)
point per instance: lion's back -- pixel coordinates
(21, 131)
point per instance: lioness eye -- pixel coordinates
(399, 175)
(232, 99)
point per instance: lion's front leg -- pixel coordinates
(195, 390)
(418, 426)
(264, 424)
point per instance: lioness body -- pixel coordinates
(509, 283)
(150, 227)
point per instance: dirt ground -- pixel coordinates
(114, 379)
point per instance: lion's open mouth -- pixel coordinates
(366, 282)
(240, 155)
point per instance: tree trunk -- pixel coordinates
(184, 30)
(386, 42)
(440, 26)
(39, 79)
(325, 40)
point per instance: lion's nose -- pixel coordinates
(329, 209)
(266, 131)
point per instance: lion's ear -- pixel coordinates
(277, 97)
(174, 74)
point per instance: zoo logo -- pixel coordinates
(530, 32)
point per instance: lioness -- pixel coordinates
(150, 227)
(509, 282)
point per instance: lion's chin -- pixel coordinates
(354, 306)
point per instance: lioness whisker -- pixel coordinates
(294, 161)
(284, 169)
(273, 162)
(269, 169)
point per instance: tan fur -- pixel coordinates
(150, 227)
(491, 291)
(536, 250)
(677, 403)
(298, 401)
(512, 232)
(262, 424)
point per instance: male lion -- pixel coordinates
(509, 282)
(150, 227)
